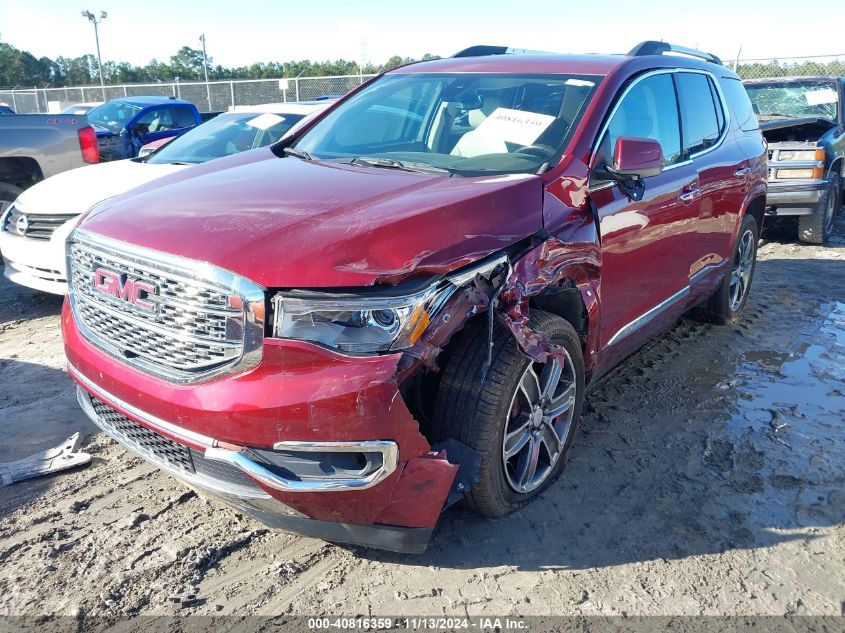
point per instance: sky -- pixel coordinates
(246, 31)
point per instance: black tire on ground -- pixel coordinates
(479, 413)
(725, 306)
(8, 193)
(816, 228)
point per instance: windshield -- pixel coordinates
(114, 115)
(794, 99)
(226, 134)
(466, 123)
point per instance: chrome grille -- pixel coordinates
(193, 321)
(38, 227)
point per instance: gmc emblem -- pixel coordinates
(123, 288)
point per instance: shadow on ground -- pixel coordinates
(20, 303)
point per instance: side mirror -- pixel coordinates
(152, 146)
(636, 158)
(146, 150)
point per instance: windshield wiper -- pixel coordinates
(390, 163)
(297, 153)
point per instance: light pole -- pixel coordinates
(205, 68)
(93, 20)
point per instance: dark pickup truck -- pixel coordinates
(802, 120)
(124, 125)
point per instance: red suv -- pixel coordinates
(402, 304)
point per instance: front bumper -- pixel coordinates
(38, 264)
(786, 198)
(299, 395)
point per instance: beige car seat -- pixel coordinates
(475, 143)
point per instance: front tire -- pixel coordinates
(816, 228)
(521, 418)
(729, 301)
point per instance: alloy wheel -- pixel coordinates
(539, 421)
(742, 268)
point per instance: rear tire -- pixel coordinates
(511, 424)
(816, 228)
(729, 300)
(8, 194)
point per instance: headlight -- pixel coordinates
(354, 324)
(369, 321)
(803, 154)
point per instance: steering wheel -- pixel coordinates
(540, 151)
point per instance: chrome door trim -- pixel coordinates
(647, 317)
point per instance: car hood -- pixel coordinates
(77, 190)
(785, 122)
(285, 222)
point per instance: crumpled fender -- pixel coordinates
(549, 266)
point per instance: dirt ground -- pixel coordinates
(708, 478)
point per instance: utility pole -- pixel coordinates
(205, 68)
(93, 20)
(736, 63)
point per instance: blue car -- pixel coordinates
(4, 109)
(124, 125)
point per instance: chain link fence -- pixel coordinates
(823, 66)
(214, 96)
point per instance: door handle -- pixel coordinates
(688, 196)
(742, 172)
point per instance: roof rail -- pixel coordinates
(652, 47)
(483, 50)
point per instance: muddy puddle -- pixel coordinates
(784, 433)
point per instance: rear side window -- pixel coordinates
(183, 116)
(701, 115)
(740, 104)
(649, 110)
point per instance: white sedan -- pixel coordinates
(34, 228)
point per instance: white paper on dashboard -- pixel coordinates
(514, 126)
(819, 97)
(266, 120)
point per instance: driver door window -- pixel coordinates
(161, 120)
(649, 110)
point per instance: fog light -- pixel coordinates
(816, 173)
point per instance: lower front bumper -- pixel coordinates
(387, 537)
(235, 487)
(45, 280)
(790, 199)
(283, 500)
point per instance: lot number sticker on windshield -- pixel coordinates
(266, 120)
(818, 97)
(514, 126)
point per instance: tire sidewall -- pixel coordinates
(8, 193)
(835, 194)
(491, 462)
